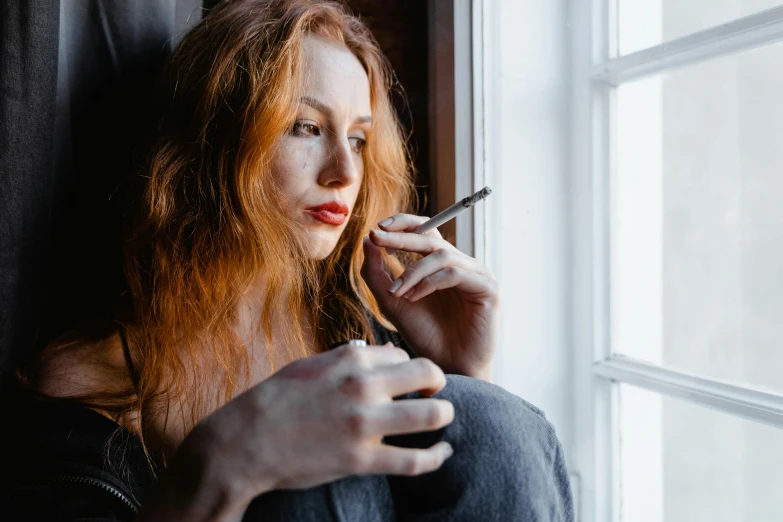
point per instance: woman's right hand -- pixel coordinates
(322, 418)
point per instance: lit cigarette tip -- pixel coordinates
(478, 196)
(453, 211)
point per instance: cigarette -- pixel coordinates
(453, 211)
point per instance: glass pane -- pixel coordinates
(646, 23)
(697, 219)
(680, 462)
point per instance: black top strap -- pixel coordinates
(134, 373)
(382, 336)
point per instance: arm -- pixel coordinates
(273, 436)
(196, 489)
(276, 436)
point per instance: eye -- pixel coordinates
(305, 129)
(357, 144)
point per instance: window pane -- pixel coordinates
(646, 23)
(680, 462)
(697, 219)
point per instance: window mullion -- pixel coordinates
(758, 405)
(740, 35)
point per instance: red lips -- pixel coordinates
(331, 213)
(334, 207)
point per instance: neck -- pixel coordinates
(249, 313)
(164, 432)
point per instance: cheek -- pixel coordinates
(359, 164)
(295, 164)
(360, 170)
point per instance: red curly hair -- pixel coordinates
(209, 220)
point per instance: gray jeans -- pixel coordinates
(508, 466)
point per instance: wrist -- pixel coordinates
(483, 372)
(197, 487)
(207, 456)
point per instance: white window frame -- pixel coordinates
(456, 116)
(596, 70)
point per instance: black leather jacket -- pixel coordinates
(71, 463)
(65, 462)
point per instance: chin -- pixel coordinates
(321, 246)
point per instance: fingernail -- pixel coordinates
(365, 239)
(379, 232)
(386, 222)
(397, 284)
(448, 450)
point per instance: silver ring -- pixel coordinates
(357, 342)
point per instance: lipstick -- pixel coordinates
(331, 213)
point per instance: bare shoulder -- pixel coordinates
(82, 368)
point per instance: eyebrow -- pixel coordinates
(325, 109)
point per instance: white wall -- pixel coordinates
(526, 158)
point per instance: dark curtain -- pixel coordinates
(75, 84)
(28, 76)
(76, 79)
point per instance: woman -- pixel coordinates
(278, 199)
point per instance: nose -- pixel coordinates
(341, 165)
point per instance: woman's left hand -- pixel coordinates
(445, 306)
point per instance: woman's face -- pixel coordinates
(318, 163)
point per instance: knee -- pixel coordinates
(489, 419)
(505, 438)
(504, 448)
(488, 415)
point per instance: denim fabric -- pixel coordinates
(508, 465)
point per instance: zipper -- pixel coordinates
(105, 486)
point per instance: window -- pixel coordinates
(677, 136)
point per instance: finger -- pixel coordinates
(391, 460)
(406, 223)
(436, 261)
(376, 278)
(371, 356)
(409, 416)
(392, 382)
(346, 355)
(419, 243)
(420, 374)
(470, 283)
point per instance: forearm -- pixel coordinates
(193, 495)
(483, 372)
(485, 375)
(196, 488)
